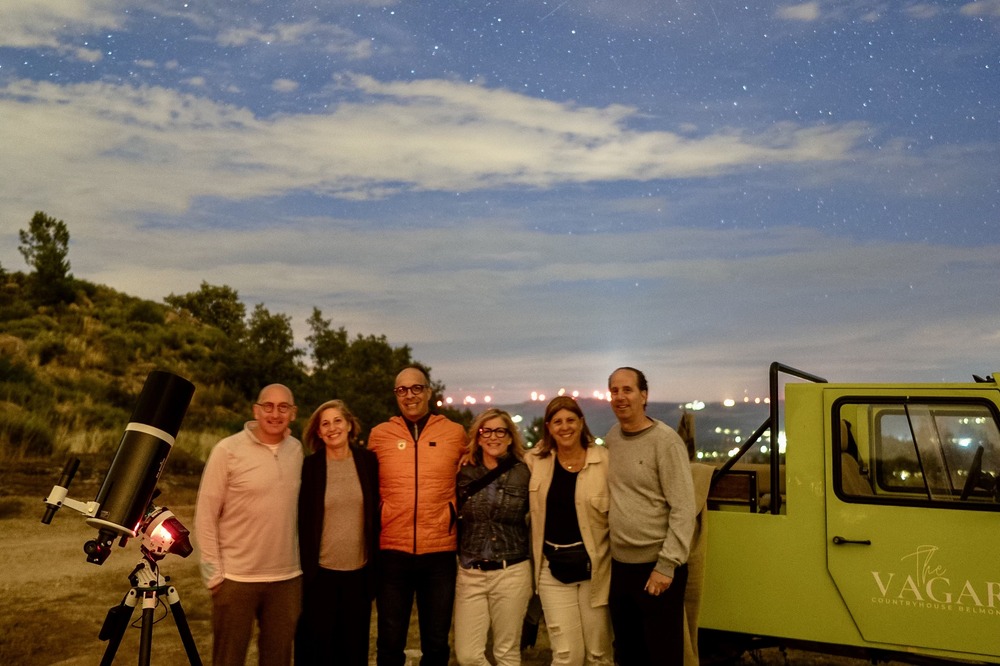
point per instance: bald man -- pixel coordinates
(245, 527)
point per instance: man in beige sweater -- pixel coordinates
(245, 529)
(652, 521)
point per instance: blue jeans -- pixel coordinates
(431, 579)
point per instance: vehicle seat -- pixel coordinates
(853, 480)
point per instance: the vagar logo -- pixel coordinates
(923, 582)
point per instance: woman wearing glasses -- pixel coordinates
(338, 539)
(569, 534)
(494, 574)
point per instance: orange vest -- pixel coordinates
(417, 483)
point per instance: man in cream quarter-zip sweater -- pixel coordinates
(245, 528)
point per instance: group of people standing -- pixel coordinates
(469, 525)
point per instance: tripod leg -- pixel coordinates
(148, 619)
(115, 624)
(180, 619)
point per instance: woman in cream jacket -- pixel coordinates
(568, 498)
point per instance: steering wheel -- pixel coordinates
(975, 472)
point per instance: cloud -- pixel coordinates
(470, 299)
(315, 34)
(115, 148)
(284, 85)
(49, 23)
(982, 8)
(806, 11)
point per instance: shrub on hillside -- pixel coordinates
(15, 310)
(24, 435)
(15, 371)
(48, 347)
(147, 312)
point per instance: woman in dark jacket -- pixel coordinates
(494, 576)
(338, 539)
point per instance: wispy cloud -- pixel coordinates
(313, 33)
(149, 148)
(55, 23)
(988, 8)
(806, 11)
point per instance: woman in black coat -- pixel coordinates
(338, 540)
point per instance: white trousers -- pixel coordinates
(578, 633)
(485, 599)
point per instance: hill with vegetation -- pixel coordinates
(74, 356)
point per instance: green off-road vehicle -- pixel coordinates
(873, 530)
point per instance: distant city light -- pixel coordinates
(487, 399)
(449, 400)
(561, 392)
(728, 402)
(469, 400)
(694, 406)
(534, 396)
(517, 418)
(576, 394)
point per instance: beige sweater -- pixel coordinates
(245, 519)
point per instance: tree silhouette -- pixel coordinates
(45, 247)
(215, 306)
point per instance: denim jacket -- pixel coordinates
(493, 522)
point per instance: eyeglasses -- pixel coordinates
(268, 407)
(486, 433)
(416, 389)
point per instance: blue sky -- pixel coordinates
(533, 193)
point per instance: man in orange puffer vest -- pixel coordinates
(418, 455)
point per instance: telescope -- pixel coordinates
(123, 505)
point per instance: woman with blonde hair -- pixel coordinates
(570, 540)
(494, 574)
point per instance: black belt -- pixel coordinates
(490, 565)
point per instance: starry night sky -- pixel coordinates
(532, 193)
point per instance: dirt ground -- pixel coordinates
(54, 602)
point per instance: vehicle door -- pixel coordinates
(913, 516)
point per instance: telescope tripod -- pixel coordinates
(148, 585)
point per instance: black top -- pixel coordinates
(561, 526)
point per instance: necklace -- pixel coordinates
(574, 465)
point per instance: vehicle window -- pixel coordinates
(920, 452)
